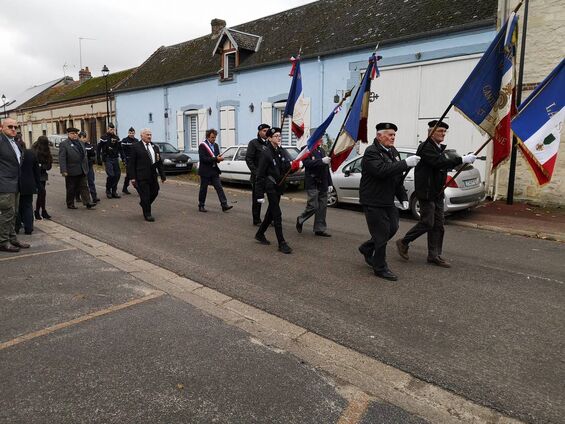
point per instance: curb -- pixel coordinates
(559, 237)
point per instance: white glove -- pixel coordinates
(330, 189)
(412, 161)
(326, 160)
(470, 158)
(405, 205)
(261, 200)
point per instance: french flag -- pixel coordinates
(296, 107)
(316, 138)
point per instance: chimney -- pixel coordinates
(217, 26)
(84, 75)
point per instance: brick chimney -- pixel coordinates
(217, 26)
(84, 75)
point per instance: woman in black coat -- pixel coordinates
(29, 182)
(274, 165)
(45, 160)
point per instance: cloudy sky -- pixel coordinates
(40, 39)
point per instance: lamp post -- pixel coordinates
(105, 72)
(4, 104)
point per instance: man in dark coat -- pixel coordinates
(252, 155)
(382, 181)
(73, 164)
(29, 184)
(127, 144)
(91, 158)
(429, 178)
(317, 182)
(143, 166)
(209, 156)
(109, 151)
(10, 162)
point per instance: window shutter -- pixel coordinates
(202, 124)
(180, 130)
(267, 113)
(227, 126)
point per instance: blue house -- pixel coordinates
(235, 78)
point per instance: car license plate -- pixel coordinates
(180, 165)
(471, 183)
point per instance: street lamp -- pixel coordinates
(105, 73)
(4, 104)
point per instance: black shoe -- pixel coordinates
(115, 195)
(108, 195)
(20, 244)
(322, 234)
(387, 274)
(368, 257)
(298, 225)
(126, 191)
(37, 215)
(202, 209)
(28, 232)
(262, 239)
(8, 248)
(226, 208)
(96, 200)
(45, 215)
(402, 249)
(257, 223)
(90, 205)
(149, 218)
(285, 248)
(72, 207)
(439, 261)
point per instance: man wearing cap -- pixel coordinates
(91, 158)
(11, 156)
(74, 167)
(127, 143)
(382, 181)
(429, 178)
(252, 155)
(109, 151)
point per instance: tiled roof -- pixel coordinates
(320, 28)
(244, 40)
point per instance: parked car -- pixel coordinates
(54, 141)
(235, 169)
(466, 191)
(174, 161)
(194, 157)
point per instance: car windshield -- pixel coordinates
(167, 148)
(292, 151)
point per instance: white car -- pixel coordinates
(235, 169)
(466, 191)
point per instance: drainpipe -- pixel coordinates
(166, 103)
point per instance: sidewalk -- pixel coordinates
(519, 219)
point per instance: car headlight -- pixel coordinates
(168, 162)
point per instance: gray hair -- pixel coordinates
(145, 130)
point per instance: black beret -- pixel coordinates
(386, 126)
(272, 131)
(82, 134)
(72, 129)
(131, 129)
(110, 125)
(442, 124)
(263, 126)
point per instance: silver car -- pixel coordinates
(54, 141)
(466, 191)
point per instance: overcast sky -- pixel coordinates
(40, 38)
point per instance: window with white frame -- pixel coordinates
(192, 127)
(229, 65)
(288, 137)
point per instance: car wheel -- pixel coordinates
(332, 199)
(415, 207)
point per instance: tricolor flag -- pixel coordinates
(486, 97)
(316, 139)
(355, 128)
(296, 106)
(539, 123)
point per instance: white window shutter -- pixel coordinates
(267, 113)
(227, 126)
(202, 124)
(307, 122)
(180, 130)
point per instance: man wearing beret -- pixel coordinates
(382, 181)
(73, 163)
(127, 144)
(109, 151)
(252, 155)
(429, 178)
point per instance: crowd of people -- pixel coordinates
(24, 172)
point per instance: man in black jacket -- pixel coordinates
(91, 159)
(127, 144)
(429, 178)
(143, 165)
(109, 151)
(209, 172)
(382, 181)
(252, 155)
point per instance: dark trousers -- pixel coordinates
(317, 204)
(77, 184)
(148, 191)
(383, 225)
(274, 215)
(126, 178)
(9, 203)
(25, 213)
(41, 197)
(215, 181)
(113, 173)
(91, 181)
(255, 205)
(431, 222)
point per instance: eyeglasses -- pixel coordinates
(12, 127)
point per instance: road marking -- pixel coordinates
(52, 329)
(36, 254)
(356, 409)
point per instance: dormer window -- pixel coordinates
(229, 65)
(234, 47)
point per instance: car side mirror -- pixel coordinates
(347, 173)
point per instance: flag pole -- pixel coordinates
(347, 94)
(514, 152)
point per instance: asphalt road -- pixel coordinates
(489, 329)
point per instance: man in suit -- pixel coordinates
(73, 163)
(209, 155)
(143, 165)
(11, 157)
